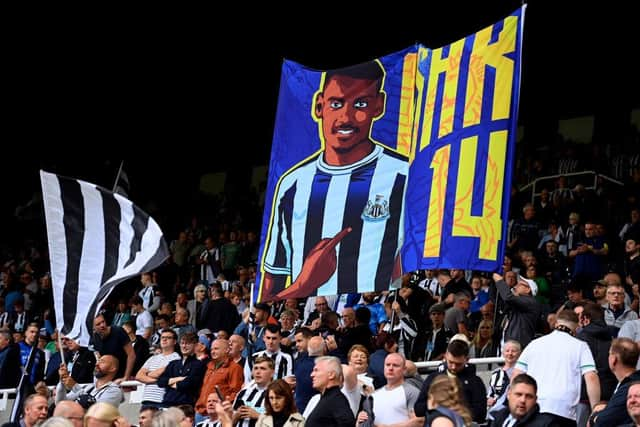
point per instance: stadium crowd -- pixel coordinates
(563, 313)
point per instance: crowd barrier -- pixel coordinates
(131, 405)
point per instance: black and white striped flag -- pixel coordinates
(97, 239)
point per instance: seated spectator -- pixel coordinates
(103, 389)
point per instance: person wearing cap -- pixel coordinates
(203, 346)
(433, 344)
(523, 311)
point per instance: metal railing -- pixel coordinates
(533, 184)
(135, 396)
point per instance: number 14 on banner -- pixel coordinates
(486, 227)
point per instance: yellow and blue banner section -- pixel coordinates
(397, 164)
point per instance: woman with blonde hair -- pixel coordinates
(103, 414)
(280, 407)
(445, 404)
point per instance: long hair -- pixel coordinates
(447, 392)
(102, 411)
(282, 389)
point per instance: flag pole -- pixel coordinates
(16, 411)
(115, 184)
(60, 349)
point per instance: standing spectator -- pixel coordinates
(280, 407)
(595, 333)
(501, 377)
(80, 363)
(523, 409)
(38, 360)
(590, 254)
(144, 320)
(115, 341)
(523, 311)
(251, 398)
(236, 348)
(219, 313)
(221, 372)
(9, 361)
(623, 358)
(559, 381)
(473, 388)
(182, 378)
(433, 344)
(393, 403)
(122, 314)
(333, 408)
(212, 420)
(616, 312)
(446, 403)
(182, 324)
(150, 298)
(139, 344)
(155, 366)
(194, 306)
(283, 361)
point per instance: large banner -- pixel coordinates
(397, 164)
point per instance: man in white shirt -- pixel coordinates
(154, 367)
(558, 361)
(393, 403)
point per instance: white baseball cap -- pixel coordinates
(531, 284)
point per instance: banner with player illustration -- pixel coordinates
(397, 164)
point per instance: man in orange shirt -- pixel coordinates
(221, 371)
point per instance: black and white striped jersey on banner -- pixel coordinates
(97, 239)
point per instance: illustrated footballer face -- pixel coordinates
(347, 108)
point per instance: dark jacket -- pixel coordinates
(186, 391)
(523, 315)
(10, 366)
(423, 341)
(82, 371)
(615, 413)
(597, 336)
(332, 410)
(220, 314)
(532, 418)
(473, 389)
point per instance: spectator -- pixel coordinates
(9, 361)
(182, 378)
(280, 407)
(523, 409)
(34, 412)
(251, 398)
(146, 416)
(221, 372)
(103, 389)
(71, 411)
(139, 344)
(114, 340)
(623, 358)
(633, 404)
(446, 403)
(153, 368)
(455, 365)
(333, 408)
(283, 361)
(559, 381)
